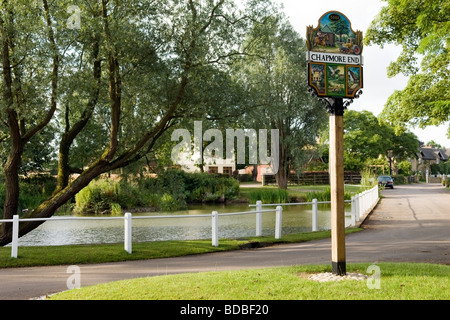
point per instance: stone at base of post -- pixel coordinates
(339, 268)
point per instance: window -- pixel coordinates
(228, 170)
(213, 170)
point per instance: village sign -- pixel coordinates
(335, 73)
(334, 57)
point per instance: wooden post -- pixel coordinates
(337, 188)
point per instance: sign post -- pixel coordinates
(335, 73)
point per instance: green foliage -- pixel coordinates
(441, 168)
(400, 179)
(267, 195)
(171, 190)
(405, 168)
(277, 91)
(97, 197)
(168, 202)
(106, 91)
(325, 195)
(116, 209)
(34, 190)
(446, 182)
(368, 179)
(366, 138)
(422, 28)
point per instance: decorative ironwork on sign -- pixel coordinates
(334, 57)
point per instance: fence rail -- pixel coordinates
(312, 178)
(361, 205)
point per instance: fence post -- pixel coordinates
(353, 211)
(315, 226)
(357, 209)
(215, 229)
(258, 218)
(128, 232)
(278, 220)
(15, 236)
(364, 202)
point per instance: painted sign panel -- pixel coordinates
(335, 80)
(334, 57)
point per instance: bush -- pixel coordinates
(97, 197)
(170, 191)
(207, 187)
(168, 202)
(400, 179)
(446, 182)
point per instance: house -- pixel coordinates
(427, 156)
(262, 170)
(210, 163)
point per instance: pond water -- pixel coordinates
(295, 219)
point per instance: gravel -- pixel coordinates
(328, 276)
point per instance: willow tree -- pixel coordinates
(275, 76)
(109, 74)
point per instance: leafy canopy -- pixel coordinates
(422, 29)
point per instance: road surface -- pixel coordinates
(411, 224)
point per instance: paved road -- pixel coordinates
(412, 224)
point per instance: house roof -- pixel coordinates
(427, 153)
(443, 154)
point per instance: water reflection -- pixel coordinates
(295, 219)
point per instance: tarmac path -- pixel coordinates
(411, 224)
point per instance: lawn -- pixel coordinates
(408, 281)
(397, 281)
(100, 253)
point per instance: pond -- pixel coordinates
(296, 219)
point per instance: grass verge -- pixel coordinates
(83, 254)
(405, 281)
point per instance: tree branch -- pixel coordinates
(55, 72)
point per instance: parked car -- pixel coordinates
(386, 181)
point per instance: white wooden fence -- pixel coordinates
(361, 205)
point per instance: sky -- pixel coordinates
(377, 86)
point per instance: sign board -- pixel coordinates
(334, 57)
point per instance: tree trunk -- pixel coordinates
(11, 169)
(282, 176)
(255, 172)
(12, 164)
